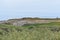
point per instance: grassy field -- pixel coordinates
(48, 31)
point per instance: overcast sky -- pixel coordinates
(29, 8)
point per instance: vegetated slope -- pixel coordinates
(22, 21)
(44, 31)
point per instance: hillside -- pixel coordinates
(30, 29)
(22, 21)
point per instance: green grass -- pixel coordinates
(44, 31)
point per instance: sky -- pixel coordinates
(29, 8)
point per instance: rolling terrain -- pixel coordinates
(30, 31)
(22, 21)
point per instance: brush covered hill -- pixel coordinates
(22, 21)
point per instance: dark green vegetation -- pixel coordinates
(44, 31)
